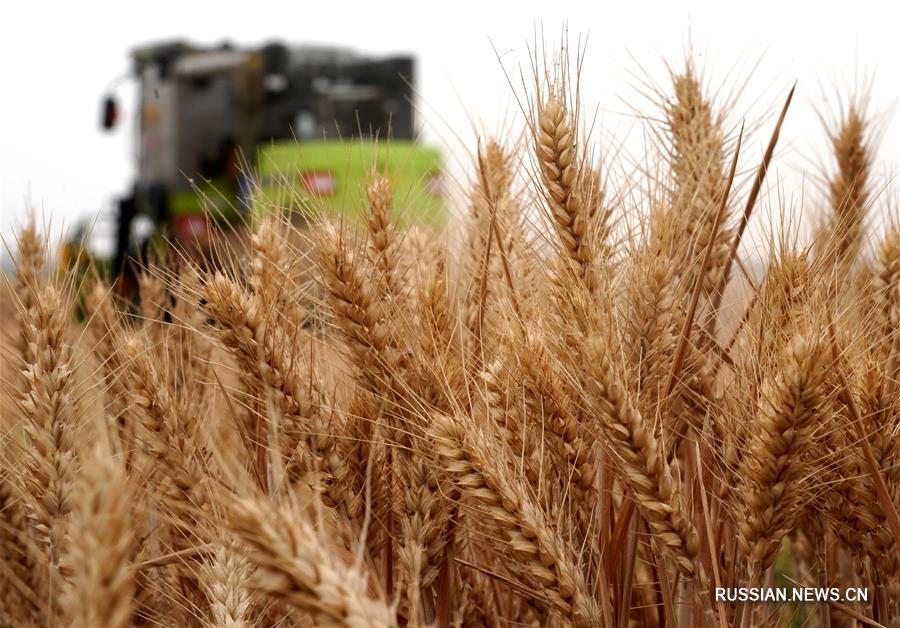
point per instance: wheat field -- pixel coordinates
(557, 419)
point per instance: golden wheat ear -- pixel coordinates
(849, 191)
(224, 579)
(294, 563)
(886, 292)
(50, 409)
(792, 402)
(100, 589)
(17, 577)
(641, 460)
(384, 241)
(571, 191)
(29, 270)
(698, 169)
(541, 559)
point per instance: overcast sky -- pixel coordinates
(57, 59)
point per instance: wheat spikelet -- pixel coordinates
(101, 589)
(50, 409)
(22, 561)
(357, 312)
(225, 584)
(383, 246)
(789, 406)
(476, 607)
(17, 563)
(490, 232)
(879, 407)
(30, 258)
(29, 266)
(167, 436)
(269, 262)
(652, 323)
(189, 351)
(105, 330)
(293, 563)
(439, 343)
(886, 288)
(501, 409)
(697, 159)
(785, 291)
(555, 409)
(641, 460)
(557, 156)
(155, 305)
(538, 554)
(423, 541)
(841, 238)
(263, 347)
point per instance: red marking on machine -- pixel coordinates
(191, 229)
(318, 182)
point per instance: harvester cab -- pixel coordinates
(305, 119)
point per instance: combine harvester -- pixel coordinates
(310, 121)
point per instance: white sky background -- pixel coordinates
(57, 60)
